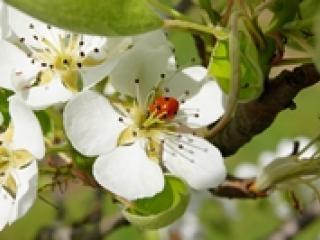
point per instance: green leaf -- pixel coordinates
(162, 209)
(184, 49)
(46, 122)
(309, 8)
(207, 6)
(98, 17)
(82, 162)
(284, 12)
(4, 106)
(251, 75)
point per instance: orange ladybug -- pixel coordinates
(164, 107)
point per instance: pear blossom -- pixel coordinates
(20, 145)
(46, 65)
(302, 192)
(135, 139)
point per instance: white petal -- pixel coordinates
(25, 26)
(265, 158)
(303, 141)
(145, 61)
(151, 40)
(110, 51)
(13, 62)
(203, 108)
(195, 160)
(246, 170)
(92, 124)
(27, 132)
(4, 26)
(128, 172)
(40, 97)
(6, 205)
(189, 80)
(26, 180)
(92, 75)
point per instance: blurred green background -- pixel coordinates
(252, 219)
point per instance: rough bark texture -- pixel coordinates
(237, 188)
(256, 116)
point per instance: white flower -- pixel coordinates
(21, 144)
(150, 128)
(3, 20)
(45, 65)
(301, 192)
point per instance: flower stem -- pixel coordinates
(58, 148)
(293, 61)
(218, 32)
(168, 10)
(235, 83)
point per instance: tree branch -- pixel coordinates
(256, 116)
(296, 225)
(237, 188)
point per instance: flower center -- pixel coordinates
(11, 159)
(63, 54)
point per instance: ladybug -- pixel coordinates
(164, 107)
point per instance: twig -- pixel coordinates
(237, 188)
(235, 82)
(296, 225)
(108, 225)
(256, 116)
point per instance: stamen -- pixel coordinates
(139, 100)
(178, 151)
(188, 142)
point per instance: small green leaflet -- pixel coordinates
(251, 76)
(162, 209)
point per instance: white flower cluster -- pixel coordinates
(142, 125)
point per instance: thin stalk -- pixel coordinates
(58, 148)
(235, 83)
(218, 32)
(168, 10)
(293, 61)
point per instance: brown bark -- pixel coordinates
(256, 116)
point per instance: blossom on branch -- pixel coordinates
(147, 127)
(45, 65)
(20, 145)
